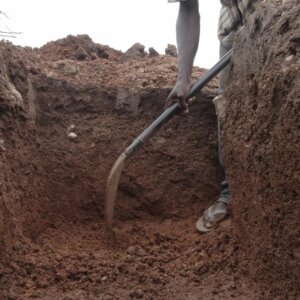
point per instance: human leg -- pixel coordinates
(218, 211)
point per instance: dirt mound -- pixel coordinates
(79, 47)
(52, 187)
(262, 148)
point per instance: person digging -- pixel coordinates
(233, 16)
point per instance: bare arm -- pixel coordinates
(187, 34)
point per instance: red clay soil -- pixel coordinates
(262, 117)
(52, 187)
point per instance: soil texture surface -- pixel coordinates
(71, 107)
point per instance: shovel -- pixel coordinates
(115, 173)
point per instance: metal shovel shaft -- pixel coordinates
(175, 108)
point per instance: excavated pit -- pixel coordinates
(53, 185)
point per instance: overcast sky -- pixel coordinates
(116, 23)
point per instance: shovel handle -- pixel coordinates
(175, 108)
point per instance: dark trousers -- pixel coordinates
(225, 75)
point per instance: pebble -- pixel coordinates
(72, 135)
(289, 58)
(70, 132)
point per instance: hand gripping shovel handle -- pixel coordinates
(175, 108)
